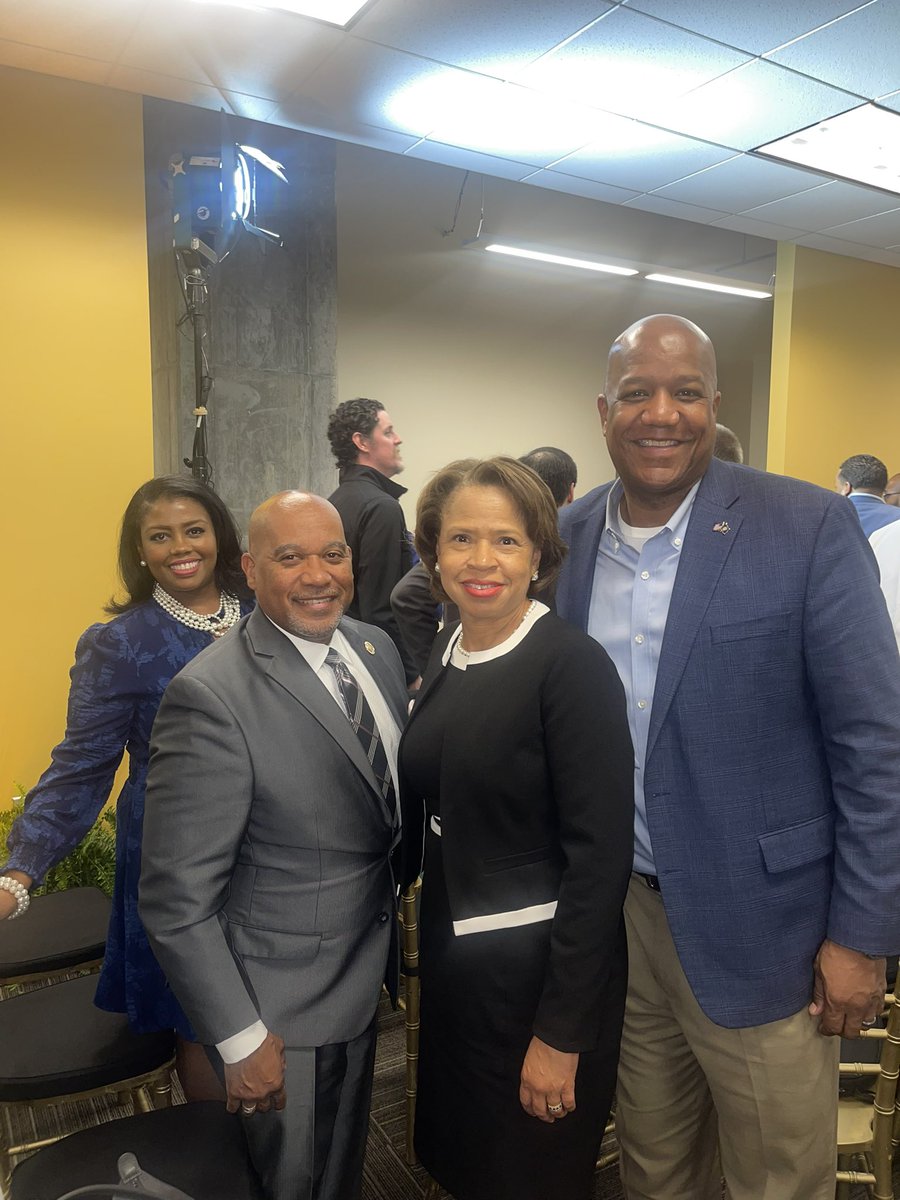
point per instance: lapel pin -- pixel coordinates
(721, 527)
(370, 649)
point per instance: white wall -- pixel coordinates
(473, 354)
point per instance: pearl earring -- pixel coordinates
(534, 577)
(143, 564)
(437, 568)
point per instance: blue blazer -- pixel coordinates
(772, 779)
(873, 513)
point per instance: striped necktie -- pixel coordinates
(363, 723)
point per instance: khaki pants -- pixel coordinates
(696, 1101)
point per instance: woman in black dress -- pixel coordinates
(517, 772)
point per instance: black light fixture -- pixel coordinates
(215, 198)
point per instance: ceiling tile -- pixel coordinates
(53, 62)
(763, 229)
(672, 208)
(821, 241)
(756, 27)
(254, 108)
(498, 38)
(829, 204)
(265, 54)
(858, 53)
(468, 160)
(558, 182)
(386, 88)
(633, 155)
(752, 105)
(297, 113)
(740, 183)
(607, 65)
(891, 100)
(882, 230)
(167, 87)
(89, 29)
(366, 83)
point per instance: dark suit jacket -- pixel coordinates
(772, 779)
(266, 889)
(375, 529)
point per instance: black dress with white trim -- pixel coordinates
(523, 757)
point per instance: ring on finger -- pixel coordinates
(555, 1109)
(869, 1022)
(248, 1109)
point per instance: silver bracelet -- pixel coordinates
(23, 899)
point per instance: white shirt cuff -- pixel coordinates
(241, 1045)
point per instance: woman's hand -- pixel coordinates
(547, 1084)
(8, 902)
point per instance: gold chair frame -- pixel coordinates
(869, 1131)
(148, 1091)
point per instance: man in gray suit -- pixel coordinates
(266, 887)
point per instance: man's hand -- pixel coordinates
(547, 1084)
(848, 991)
(256, 1083)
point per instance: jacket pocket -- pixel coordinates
(736, 631)
(784, 849)
(247, 941)
(522, 859)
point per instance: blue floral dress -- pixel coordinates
(121, 670)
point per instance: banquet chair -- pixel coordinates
(869, 1124)
(60, 933)
(198, 1148)
(56, 1046)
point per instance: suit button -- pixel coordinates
(382, 918)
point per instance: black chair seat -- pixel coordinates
(59, 931)
(198, 1148)
(54, 1042)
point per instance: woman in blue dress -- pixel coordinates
(179, 560)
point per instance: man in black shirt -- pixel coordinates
(367, 450)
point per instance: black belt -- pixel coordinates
(652, 881)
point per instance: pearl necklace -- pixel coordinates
(217, 623)
(525, 615)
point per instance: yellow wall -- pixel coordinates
(74, 384)
(835, 364)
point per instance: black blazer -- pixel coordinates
(536, 802)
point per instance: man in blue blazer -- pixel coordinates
(743, 613)
(863, 479)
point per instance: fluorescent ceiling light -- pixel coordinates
(862, 145)
(335, 12)
(682, 281)
(559, 259)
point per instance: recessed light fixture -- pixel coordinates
(561, 260)
(704, 286)
(862, 145)
(335, 12)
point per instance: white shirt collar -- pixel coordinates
(534, 612)
(676, 524)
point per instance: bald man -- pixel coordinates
(743, 613)
(266, 887)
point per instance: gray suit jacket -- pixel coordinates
(266, 888)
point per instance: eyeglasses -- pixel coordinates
(887, 495)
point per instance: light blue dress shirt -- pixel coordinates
(633, 582)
